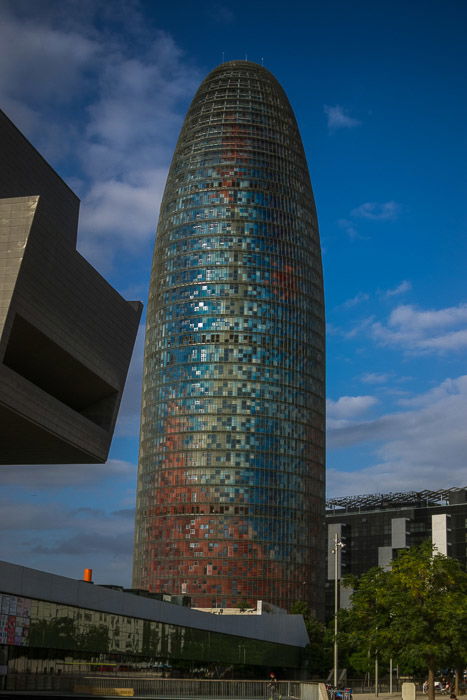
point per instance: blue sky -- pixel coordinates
(378, 89)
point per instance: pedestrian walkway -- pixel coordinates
(398, 694)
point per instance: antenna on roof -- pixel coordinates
(262, 61)
(223, 57)
(246, 57)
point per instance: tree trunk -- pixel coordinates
(431, 683)
(459, 677)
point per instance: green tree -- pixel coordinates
(415, 613)
(95, 638)
(57, 633)
(319, 651)
(362, 626)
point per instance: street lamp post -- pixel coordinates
(376, 674)
(337, 547)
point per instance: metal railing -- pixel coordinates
(149, 686)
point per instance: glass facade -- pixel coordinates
(41, 629)
(230, 502)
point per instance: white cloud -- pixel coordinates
(121, 207)
(44, 517)
(447, 389)
(372, 211)
(363, 325)
(129, 140)
(414, 449)
(89, 544)
(42, 527)
(377, 211)
(374, 378)
(99, 540)
(59, 476)
(120, 216)
(338, 118)
(404, 286)
(346, 408)
(113, 104)
(41, 61)
(359, 298)
(424, 331)
(130, 407)
(406, 315)
(350, 229)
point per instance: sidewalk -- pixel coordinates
(397, 694)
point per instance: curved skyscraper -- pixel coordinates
(230, 502)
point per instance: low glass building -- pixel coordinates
(230, 503)
(52, 624)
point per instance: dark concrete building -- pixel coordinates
(66, 336)
(373, 528)
(231, 468)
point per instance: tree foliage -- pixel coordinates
(63, 633)
(415, 613)
(319, 650)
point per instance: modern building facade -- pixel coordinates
(66, 336)
(51, 625)
(374, 528)
(230, 502)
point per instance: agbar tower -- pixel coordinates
(230, 503)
